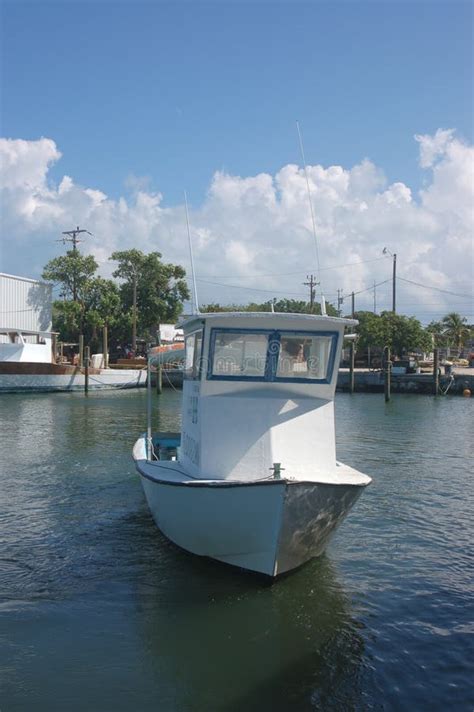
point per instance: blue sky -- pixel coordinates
(139, 98)
(177, 91)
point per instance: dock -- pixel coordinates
(371, 381)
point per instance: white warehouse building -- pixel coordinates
(25, 304)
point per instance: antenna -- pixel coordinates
(191, 253)
(323, 301)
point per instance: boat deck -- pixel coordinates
(166, 468)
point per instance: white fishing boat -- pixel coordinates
(28, 364)
(252, 480)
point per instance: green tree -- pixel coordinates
(67, 320)
(72, 271)
(292, 306)
(299, 306)
(455, 329)
(102, 307)
(214, 307)
(405, 333)
(401, 333)
(436, 330)
(152, 291)
(370, 331)
(99, 306)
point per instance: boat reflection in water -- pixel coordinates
(253, 479)
(294, 646)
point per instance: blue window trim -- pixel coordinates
(272, 356)
(332, 357)
(253, 379)
(197, 360)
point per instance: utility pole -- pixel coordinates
(312, 289)
(386, 251)
(375, 298)
(72, 236)
(340, 302)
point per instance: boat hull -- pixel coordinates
(311, 513)
(270, 527)
(235, 525)
(18, 378)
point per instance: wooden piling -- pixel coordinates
(352, 354)
(81, 351)
(351, 368)
(87, 355)
(435, 371)
(387, 373)
(159, 378)
(105, 347)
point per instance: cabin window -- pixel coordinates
(239, 354)
(292, 356)
(192, 364)
(303, 355)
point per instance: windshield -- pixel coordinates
(246, 354)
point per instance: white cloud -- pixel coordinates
(261, 225)
(25, 164)
(433, 147)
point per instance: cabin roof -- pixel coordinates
(27, 332)
(280, 317)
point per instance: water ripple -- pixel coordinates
(90, 589)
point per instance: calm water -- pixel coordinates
(99, 613)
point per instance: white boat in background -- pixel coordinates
(252, 480)
(27, 363)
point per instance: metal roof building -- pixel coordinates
(25, 303)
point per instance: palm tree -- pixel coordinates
(455, 329)
(436, 329)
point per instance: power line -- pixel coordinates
(434, 304)
(436, 289)
(251, 289)
(339, 294)
(367, 289)
(289, 274)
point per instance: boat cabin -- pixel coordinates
(22, 346)
(258, 395)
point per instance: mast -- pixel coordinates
(318, 265)
(196, 303)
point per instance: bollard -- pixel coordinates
(277, 470)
